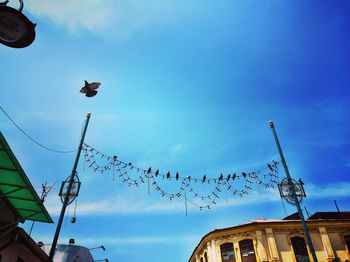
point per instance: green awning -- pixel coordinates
(16, 189)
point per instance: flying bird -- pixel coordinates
(89, 89)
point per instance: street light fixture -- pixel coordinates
(16, 30)
(102, 247)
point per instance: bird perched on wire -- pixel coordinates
(89, 89)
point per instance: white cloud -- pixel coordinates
(108, 18)
(177, 148)
(330, 190)
(115, 240)
(121, 205)
(89, 14)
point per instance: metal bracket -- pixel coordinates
(4, 3)
(20, 4)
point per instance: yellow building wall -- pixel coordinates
(321, 254)
(338, 245)
(283, 247)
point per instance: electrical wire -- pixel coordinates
(32, 139)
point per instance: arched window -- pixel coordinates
(227, 253)
(205, 257)
(247, 250)
(201, 259)
(300, 249)
(347, 242)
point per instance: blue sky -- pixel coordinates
(186, 87)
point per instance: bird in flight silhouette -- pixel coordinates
(89, 89)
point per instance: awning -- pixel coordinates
(16, 189)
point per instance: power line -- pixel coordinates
(32, 139)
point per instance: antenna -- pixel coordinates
(307, 212)
(336, 205)
(45, 191)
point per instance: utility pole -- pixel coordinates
(291, 186)
(66, 198)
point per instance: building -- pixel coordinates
(18, 202)
(67, 253)
(278, 240)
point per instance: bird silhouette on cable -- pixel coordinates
(234, 177)
(301, 182)
(89, 89)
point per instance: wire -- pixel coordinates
(34, 141)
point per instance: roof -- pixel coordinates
(321, 215)
(24, 241)
(294, 216)
(330, 215)
(16, 189)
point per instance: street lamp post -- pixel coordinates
(66, 196)
(294, 195)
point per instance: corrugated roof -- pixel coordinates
(16, 188)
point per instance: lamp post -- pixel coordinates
(294, 195)
(66, 196)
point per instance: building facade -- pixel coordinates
(278, 240)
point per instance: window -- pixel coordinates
(247, 250)
(205, 257)
(227, 253)
(300, 249)
(347, 242)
